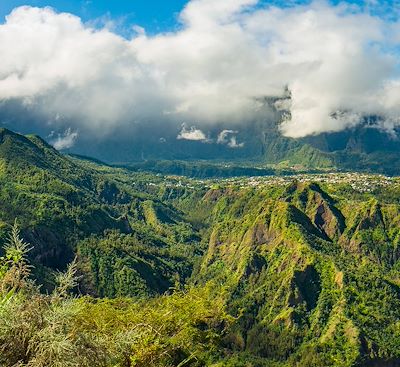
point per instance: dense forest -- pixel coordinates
(107, 266)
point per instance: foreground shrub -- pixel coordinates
(58, 329)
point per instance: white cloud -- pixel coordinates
(228, 137)
(234, 144)
(338, 62)
(65, 140)
(192, 134)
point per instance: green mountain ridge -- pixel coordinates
(59, 201)
(365, 148)
(310, 275)
(172, 271)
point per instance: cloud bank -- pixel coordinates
(228, 137)
(64, 140)
(192, 133)
(339, 64)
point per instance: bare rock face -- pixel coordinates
(319, 207)
(328, 218)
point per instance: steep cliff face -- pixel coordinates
(319, 207)
(308, 272)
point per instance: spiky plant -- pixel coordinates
(66, 281)
(38, 330)
(20, 301)
(14, 269)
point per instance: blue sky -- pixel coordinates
(154, 15)
(158, 15)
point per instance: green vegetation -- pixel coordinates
(60, 201)
(198, 169)
(58, 329)
(128, 268)
(310, 274)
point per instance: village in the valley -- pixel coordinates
(362, 182)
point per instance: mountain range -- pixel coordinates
(364, 148)
(297, 271)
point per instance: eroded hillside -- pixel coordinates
(312, 274)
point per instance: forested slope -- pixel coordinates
(59, 201)
(176, 272)
(313, 275)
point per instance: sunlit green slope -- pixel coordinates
(64, 205)
(312, 273)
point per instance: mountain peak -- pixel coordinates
(22, 151)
